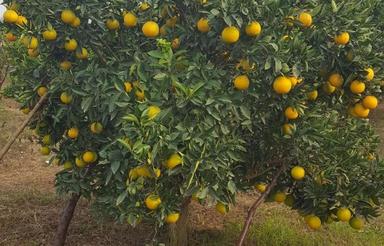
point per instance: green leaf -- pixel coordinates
(115, 166)
(121, 198)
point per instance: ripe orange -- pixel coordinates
(287, 129)
(73, 133)
(33, 53)
(294, 80)
(82, 55)
(370, 74)
(21, 20)
(261, 187)
(89, 157)
(241, 82)
(112, 24)
(312, 96)
(50, 35)
(172, 218)
(357, 87)
(33, 43)
(10, 16)
(143, 171)
(152, 202)
(305, 19)
(76, 22)
(298, 173)
(342, 38)
(130, 20)
(291, 113)
(140, 95)
(67, 16)
(66, 98)
(221, 208)
(360, 110)
(80, 163)
(282, 85)
(253, 29)
(42, 90)
(65, 65)
(10, 37)
(128, 87)
(70, 45)
(370, 102)
(344, 214)
(173, 161)
(203, 25)
(96, 127)
(313, 222)
(230, 34)
(153, 111)
(336, 80)
(150, 29)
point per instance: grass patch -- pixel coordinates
(277, 226)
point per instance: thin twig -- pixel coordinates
(256, 204)
(22, 127)
(275, 161)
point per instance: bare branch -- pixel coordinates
(22, 127)
(256, 204)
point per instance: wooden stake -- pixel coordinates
(22, 127)
(256, 204)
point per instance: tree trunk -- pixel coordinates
(65, 220)
(178, 233)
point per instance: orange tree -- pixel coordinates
(153, 103)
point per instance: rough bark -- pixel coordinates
(178, 233)
(64, 221)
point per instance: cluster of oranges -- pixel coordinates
(314, 222)
(153, 201)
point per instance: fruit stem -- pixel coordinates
(256, 204)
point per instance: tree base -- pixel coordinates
(179, 232)
(64, 221)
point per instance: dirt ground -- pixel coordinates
(29, 207)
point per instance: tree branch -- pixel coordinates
(256, 204)
(5, 76)
(22, 127)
